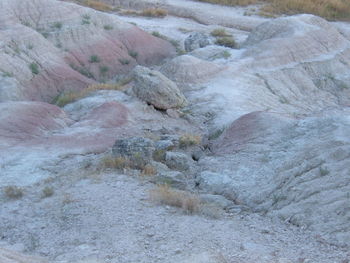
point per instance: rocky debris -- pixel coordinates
(196, 40)
(9, 256)
(178, 161)
(67, 50)
(187, 69)
(164, 145)
(212, 52)
(138, 150)
(154, 88)
(295, 169)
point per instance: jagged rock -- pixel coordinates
(154, 88)
(196, 40)
(139, 150)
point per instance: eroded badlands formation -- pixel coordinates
(267, 126)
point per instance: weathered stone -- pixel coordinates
(196, 40)
(178, 161)
(138, 150)
(154, 88)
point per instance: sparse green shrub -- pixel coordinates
(226, 42)
(323, 171)
(104, 70)
(47, 192)
(34, 68)
(124, 61)
(133, 54)
(94, 59)
(45, 34)
(115, 162)
(13, 192)
(57, 25)
(108, 27)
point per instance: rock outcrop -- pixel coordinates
(296, 169)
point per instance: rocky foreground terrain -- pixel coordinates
(205, 134)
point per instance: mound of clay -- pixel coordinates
(297, 169)
(51, 46)
(8, 256)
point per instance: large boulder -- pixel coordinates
(154, 88)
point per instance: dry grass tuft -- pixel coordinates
(187, 140)
(47, 192)
(165, 195)
(226, 42)
(70, 97)
(149, 170)
(154, 12)
(219, 32)
(115, 162)
(13, 192)
(329, 9)
(95, 4)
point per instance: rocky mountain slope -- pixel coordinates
(98, 108)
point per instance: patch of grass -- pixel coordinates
(133, 54)
(94, 59)
(30, 46)
(34, 68)
(13, 192)
(104, 70)
(165, 195)
(70, 97)
(97, 5)
(47, 192)
(189, 140)
(226, 54)
(108, 27)
(226, 42)
(157, 34)
(220, 32)
(45, 34)
(124, 61)
(154, 12)
(7, 74)
(232, 2)
(184, 30)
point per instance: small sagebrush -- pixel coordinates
(154, 12)
(149, 170)
(13, 192)
(115, 162)
(47, 192)
(98, 5)
(219, 32)
(165, 195)
(226, 42)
